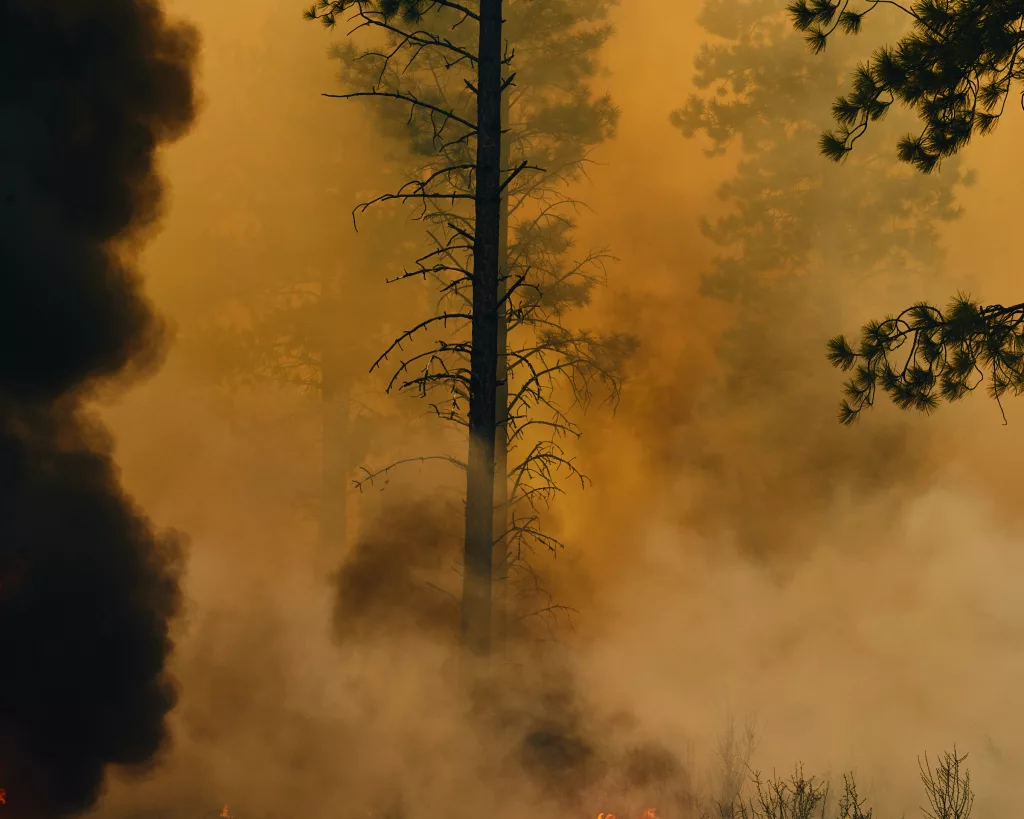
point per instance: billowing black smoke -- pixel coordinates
(391, 583)
(89, 89)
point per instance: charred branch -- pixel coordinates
(370, 477)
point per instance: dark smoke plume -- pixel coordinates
(394, 581)
(89, 90)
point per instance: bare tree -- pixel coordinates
(798, 797)
(947, 786)
(734, 751)
(475, 177)
(851, 804)
(430, 63)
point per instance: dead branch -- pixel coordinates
(371, 477)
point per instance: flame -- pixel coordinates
(650, 813)
(3, 796)
(224, 813)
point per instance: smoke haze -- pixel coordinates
(738, 553)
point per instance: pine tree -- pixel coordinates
(791, 230)
(273, 282)
(955, 69)
(551, 119)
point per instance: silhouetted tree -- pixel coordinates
(480, 69)
(947, 786)
(550, 120)
(956, 69)
(947, 789)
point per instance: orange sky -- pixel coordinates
(900, 630)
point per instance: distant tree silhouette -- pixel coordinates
(289, 321)
(956, 69)
(277, 301)
(947, 788)
(430, 57)
(791, 232)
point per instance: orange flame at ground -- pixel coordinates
(650, 813)
(224, 813)
(3, 796)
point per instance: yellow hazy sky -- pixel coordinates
(900, 630)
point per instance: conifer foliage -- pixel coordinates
(957, 68)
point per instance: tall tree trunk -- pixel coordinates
(335, 413)
(479, 544)
(501, 510)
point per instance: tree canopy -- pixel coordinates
(789, 235)
(755, 93)
(955, 68)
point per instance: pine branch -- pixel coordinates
(955, 68)
(946, 355)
